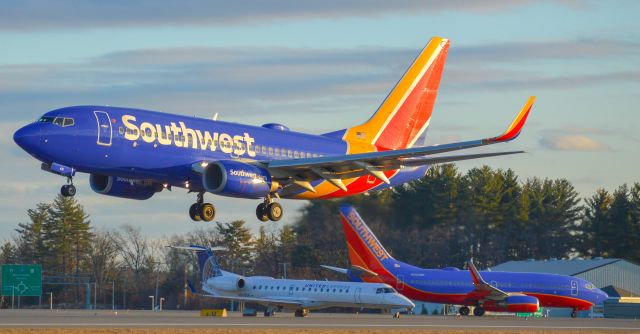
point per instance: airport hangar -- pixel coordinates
(617, 277)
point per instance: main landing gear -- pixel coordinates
(269, 210)
(68, 190)
(302, 312)
(202, 211)
(464, 310)
(478, 311)
(574, 313)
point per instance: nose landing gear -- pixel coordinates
(269, 210)
(202, 211)
(68, 190)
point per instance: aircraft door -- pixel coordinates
(356, 296)
(104, 128)
(291, 290)
(574, 288)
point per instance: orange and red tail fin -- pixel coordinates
(365, 250)
(405, 113)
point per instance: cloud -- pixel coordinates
(572, 143)
(68, 14)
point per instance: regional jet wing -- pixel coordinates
(336, 168)
(265, 301)
(483, 290)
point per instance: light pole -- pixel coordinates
(113, 296)
(161, 302)
(284, 265)
(153, 302)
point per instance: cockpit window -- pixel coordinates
(385, 290)
(59, 121)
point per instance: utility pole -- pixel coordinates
(157, 280)
(50, 300)
(184, 302)
(13, 295)
(95, 295)
(124, 292)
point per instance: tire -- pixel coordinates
(274, 211)
(464, 310)
(71, 190)
(207, 212)
(194, 212)
(574, 314)
(63, 191)
(478, 311)
(261, 212)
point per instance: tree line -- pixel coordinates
(441, 220)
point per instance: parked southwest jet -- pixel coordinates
(301, 295)
(486, 291)
(135, 153)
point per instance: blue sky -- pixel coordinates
(318, 66)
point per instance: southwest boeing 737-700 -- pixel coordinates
(133, 153)
(485, 291)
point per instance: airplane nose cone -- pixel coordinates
(28, 137)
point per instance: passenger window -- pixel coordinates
(296, 154)
(121, 130)
(277, 152)
(289, 154)
(270, 150)
(264, 150)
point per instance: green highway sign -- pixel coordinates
(21, 280)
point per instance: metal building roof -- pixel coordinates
(562, 267)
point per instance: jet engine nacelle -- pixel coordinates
(228, 283)
(123, 187)
(237, 179)
(521, 303)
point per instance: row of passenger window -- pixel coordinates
(285, 153)
(59, 121)
(498, 285)
(297, 288)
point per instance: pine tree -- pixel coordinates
(30, 241)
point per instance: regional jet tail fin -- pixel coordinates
(365, 250)
(207, 261)
(406, 112)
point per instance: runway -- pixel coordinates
(191, 319)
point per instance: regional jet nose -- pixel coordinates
(28, 137)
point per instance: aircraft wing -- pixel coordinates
(267, 301)
(483, 290)
(336, 168)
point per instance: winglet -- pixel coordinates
(516, 126)
(475, 274)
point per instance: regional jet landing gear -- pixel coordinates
(302, 312)
(202, 211)
(68, 190)
(269, 210)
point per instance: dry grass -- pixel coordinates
(279, 331)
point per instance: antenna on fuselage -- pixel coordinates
(215, 117)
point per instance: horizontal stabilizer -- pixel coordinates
(362, 272)
(336, 269)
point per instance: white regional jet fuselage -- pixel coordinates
(304, 294)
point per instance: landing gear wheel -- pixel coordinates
(274, 211)
(194, 212)
(574, 314)
(300, 313)
(261, 212)
(478, 311)
(464, 310)
(68, 190)
(207, 212)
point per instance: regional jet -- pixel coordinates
(301, 295)
(133, 153)
(485, 291)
